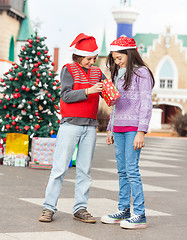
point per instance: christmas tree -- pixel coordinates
(31, 95)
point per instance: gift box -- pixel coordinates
(17, 160)
(21, 160)
(42, 150)
(17, 143)
(36, 165)
(110, 93)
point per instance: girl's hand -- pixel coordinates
(96, 88)
(109, 139)
(139, 140)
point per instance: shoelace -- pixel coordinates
(118, 214)
(134, 218)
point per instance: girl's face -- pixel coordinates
(87, 62)
(120, 59)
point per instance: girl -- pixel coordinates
(80, 89)
(129, 122)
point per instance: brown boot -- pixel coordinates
(46, 216)
(84, 216)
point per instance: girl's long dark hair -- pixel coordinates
(134, 61)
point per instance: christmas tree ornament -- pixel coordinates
(37, 113)
(30, 60)
(30, 45)
(27, 58)
(29, 74)
(46, 60)
(45, 51)
(7, 116)
(54, 88)
(42, 57)
(29, 106)
(11, 79)
(7, 126)
(13, 123)
(23, 112)
(44, 74)
(23, 87)
(38, 53)
(16, 66)
(30, 41)
(23, 48)
(31, 116)
(26, 128)
(1, 120)
(20, 74)
(45, 102)
(27, 89)
(23, 101)
(33, 88)
(17, 127)
(33, 52)
(16, 79)
(25, 52)
(49, 95)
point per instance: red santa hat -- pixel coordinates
(123, 43)
(84, 45)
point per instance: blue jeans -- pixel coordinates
(68, 137)
(128, 171)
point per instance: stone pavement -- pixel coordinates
(164, 173)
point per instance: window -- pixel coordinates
(166, 83)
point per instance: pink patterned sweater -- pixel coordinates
(134, 107)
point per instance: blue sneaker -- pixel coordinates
(116, 217)
(136, 221)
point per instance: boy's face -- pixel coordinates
(87, 62)
(120, 59)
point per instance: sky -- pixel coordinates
(62, 20)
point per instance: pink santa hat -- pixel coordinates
(123, 43)
(84, 45)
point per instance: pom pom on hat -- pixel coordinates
(84, 45)
(123, 43)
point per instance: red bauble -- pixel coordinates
(20, 74)
(6, 73)
(13, 117)
(53, 99)
(21, 59)
(16, 79)
(58, 121)
(38, 75)
(4, 84)
(23, 88)
(5, 107)
(17, 90)
(0, 101)
(27, 89)
(57, 80)
(7, 126)
(49, 95)
(39, 63)
(45, 51)
(23, 48)
(2, 80)
(27, 58)
(48, 56)
(37, 41)
(36, 65)
(50, 74)
(46, 60)
(13, 105)
(11, 70)
(17, 127)
(38, 53)
(16, 66)
(11, 79)
(54, 83)
(37, 80)
(4, 139)
(13, 123)
(52, 63)
(8, 99)
(36, 100)
(7, 116)
(30, 41)
(30, 45)
(36, 113)
(26, 128)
